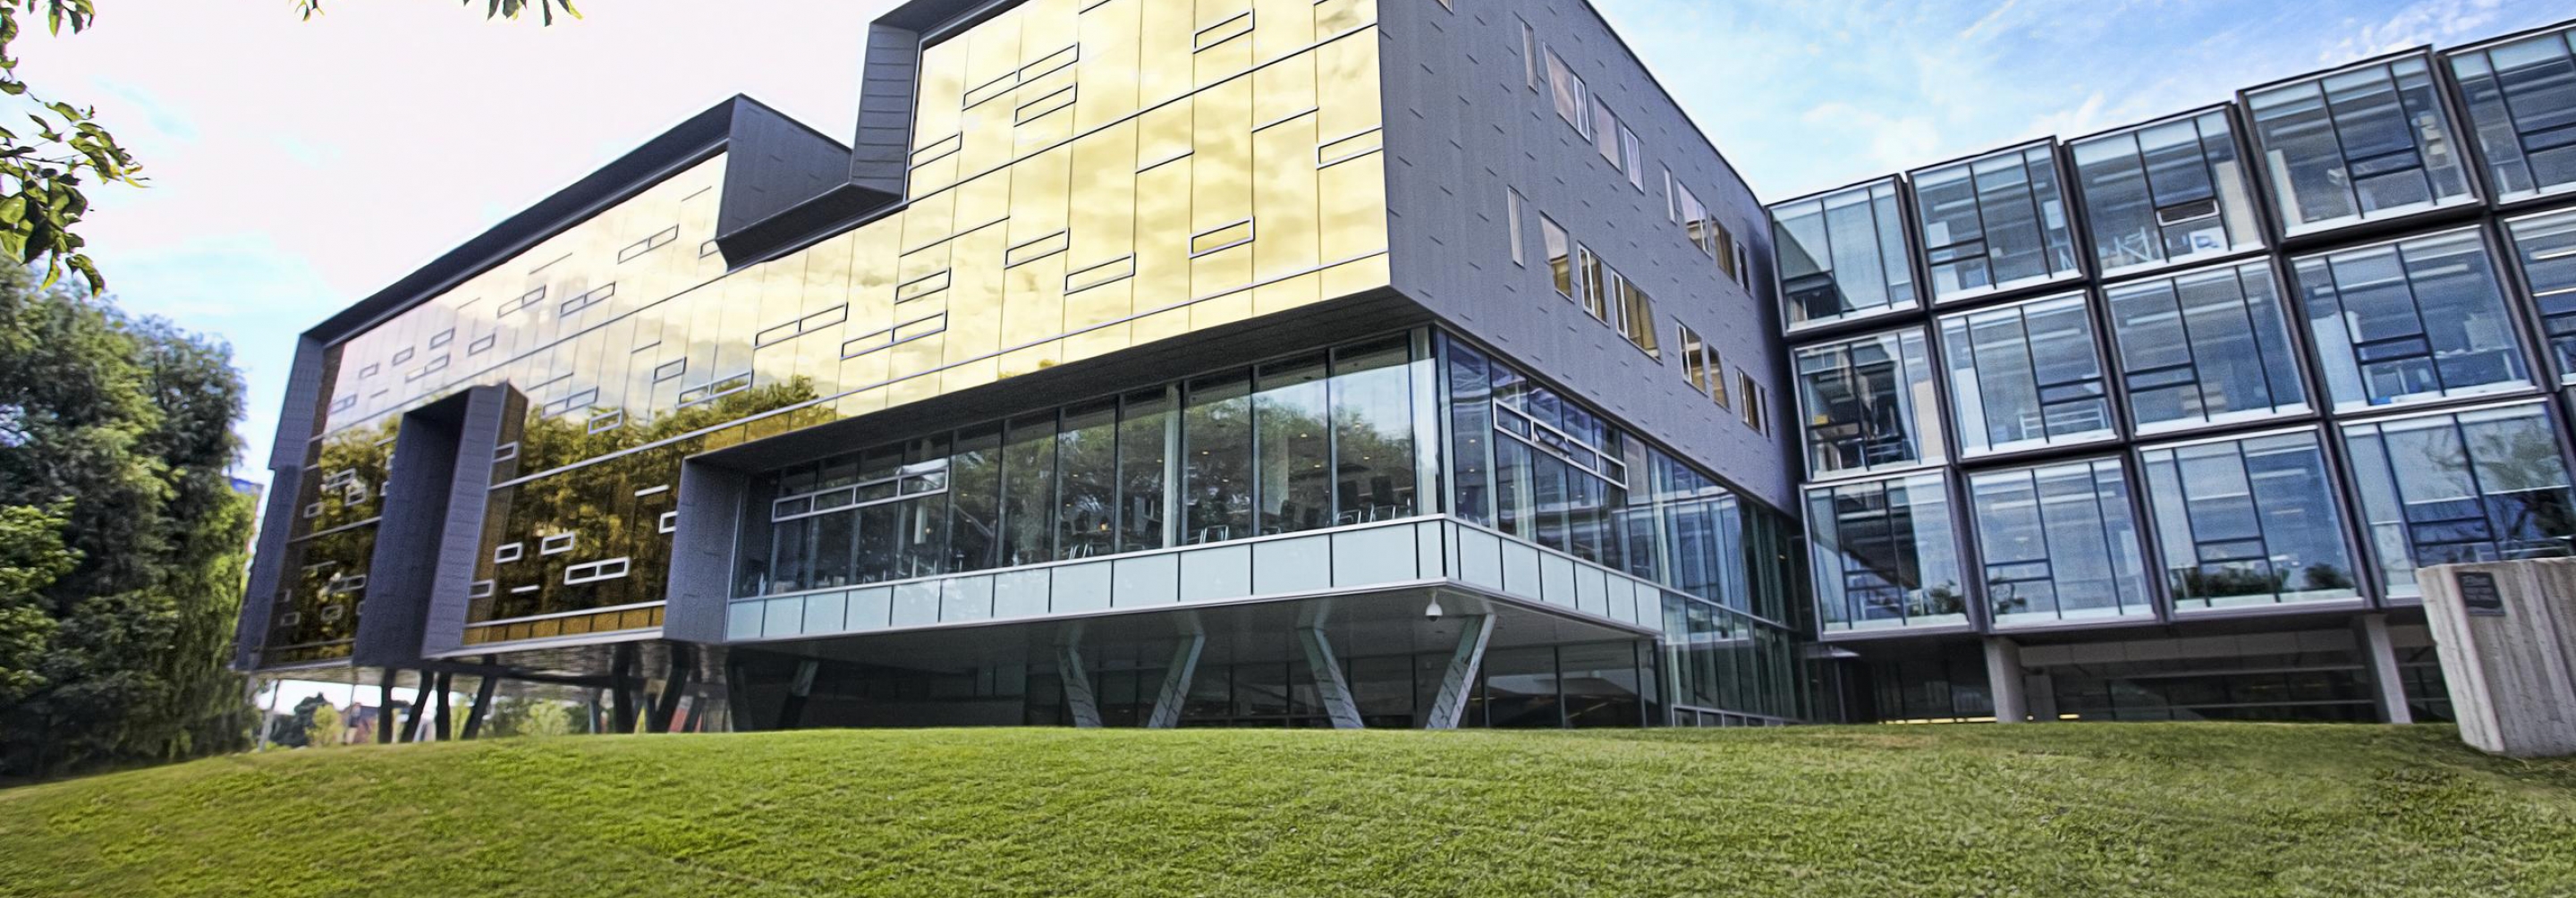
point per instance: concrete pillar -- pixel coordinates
(1176, 683)
(2004, 680)
(2379, 661)
(1459, 682)
(1076, 677)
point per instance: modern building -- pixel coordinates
(1416, 364)
(1138, 362)
(2160, 422)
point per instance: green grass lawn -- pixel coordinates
(2078, 811)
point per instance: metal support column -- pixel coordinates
(622, 687)
(1176, 683)
(2379, 659)
(792, 711)
(1077, 686)
(438, 722)
(1330, 687)
(482, 705)
(385, 707)
(1460, 682)
(675, 683)
(2004, 680)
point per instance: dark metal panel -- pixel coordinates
(702, 542)
(460, 542)
(407, 538)
(880, 153)
(259, 599)
(772, 163)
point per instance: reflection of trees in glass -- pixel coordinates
(321, 603)
(598, 505)
(2525, 484)
(348, 476)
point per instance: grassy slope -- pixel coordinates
(2102, 810)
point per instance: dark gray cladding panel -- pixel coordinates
(1464, 127)
(773, 163)
(881, 152)
(408, 535)
(304, 386)
(259, 599)
(469, 491)
(701, 577)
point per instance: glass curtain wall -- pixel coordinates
(2057, 543)
(1884, 555)
(1307, 442)
(2545, 246)
(2480, 485)
(2248, 522)
(1843, 255)
(2522, 109)
(2364, 143)
(2205, 347)
(2026, 375)
(1994, 223)
(2418, 319)
(1558, 475)
(1868, 404)
(2169, 192)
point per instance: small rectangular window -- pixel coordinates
(1569, 94)
(481, 589)
(1605, 133)
(556, 544)
(1529, 55)
(1512, 216)
(609, 569)
(1694, 359)
(1560, 258)
(403, 356)
(505, 452)
(508, 552)
(1629, 158)
(670, 521)
(1752, 395)
(481, 343)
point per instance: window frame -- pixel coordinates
(2156, 522)
(1930, 449)
(1959, 407)
(2242, 225)
(2284, 209)
(2339, 355)
(1933, 256)
(2289, 357)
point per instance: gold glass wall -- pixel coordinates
(1087, 176)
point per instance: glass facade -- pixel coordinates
(2169, 192)
(2058, 544)
(1842, 255)
(2205, 347)
(2364, 143)
(2025, 376)
(2522, 108)
(2250, 521)
(1995, 222)
(1296, 444)
(1884, 554)
(2417, 319)
(2544, 246)
(2482, 485)
(1868, 404)
(1084, 177)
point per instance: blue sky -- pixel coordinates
(299, 166)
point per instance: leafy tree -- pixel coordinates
(42, 172)
(324, 727)
(121, 430)
(32, 557)
(295, 730)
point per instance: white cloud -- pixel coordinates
(2417, 24)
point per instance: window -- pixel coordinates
(1569, 94)
(2480, 485)
(595, 571)
(1637, 318)
(1868, 404)
(2056, 543)
(1595, 285)
(1605, 134)
(1512, 218)
(2025, 375)
(1701, 365)
(1560, 258)
(2416, 319)
(1883, 555)
(1756, 404)
(2360, 144)
(1694, 217)
(1630, 160)
(2167, 192)
(1994, 223)
(2205, 347)
(2545, 247)
(1842, 255)
(2248, 522)
(556, 544)
(508, 552)
(2522, 109)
